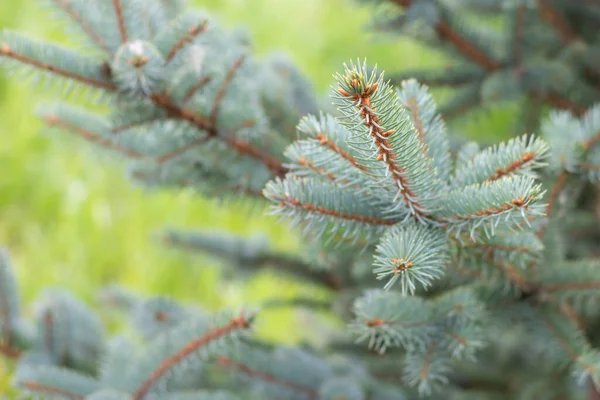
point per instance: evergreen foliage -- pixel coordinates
(540, 53)
(490, 285)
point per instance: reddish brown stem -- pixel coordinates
(427, 362)
(53, 120)
(326, 141)
(48, 331)
(570, 286)
(462, 45)
(496, 247)
(513, 274)
(245, 148)
(192, 91)
(120, 20)
(593, 393)
(557, 188)
(235, 324)
(418, 123)
(267, 377)
(590, 167)
(85, 26)
(567, 348)
(49, 390)
(9, 351)
(588, 144)
(294, 203)
(466, 48)
(560, 102)
(123, 128)
(5, 323)
(179, 151)
(500, 172)
(223, 89)
(191, 34)
(519, 28)
(556, 20)
(561, 181)
(6, 51)
(513, 204)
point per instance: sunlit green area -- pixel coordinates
(70, 218)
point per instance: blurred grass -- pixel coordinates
(71, 219)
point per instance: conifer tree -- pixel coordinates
(461, 274)
(540, 53)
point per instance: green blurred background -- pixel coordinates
(70, 218)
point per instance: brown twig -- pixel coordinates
(223, 89)
(54, 120)
(87, 28)
(245, 148)
(567, 348)
(49, 390)
(512, 273)
(288, 201)
(118, 7)
(9, 351)
(561, 181)
(466, 48)
(179, 151)
(560, 102)
(497, 247)
(515, 165)
(514, 204)
(556, 287)
(593, 393)
(462, 45)
(427, 361)
(5, 324)
(6, 51)
(324, 140)
(191, 34)
(591, 142)
(48, 320)
(125, 127)
(192, 91)
(268, 377)
(557, 188)
(235, 324)
(417, 122)
(556, 20)
(519, 31)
